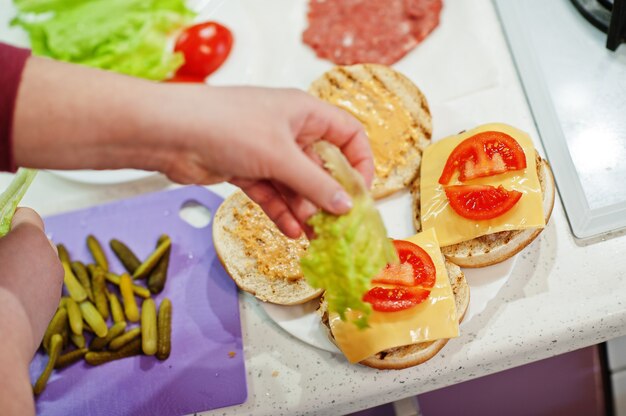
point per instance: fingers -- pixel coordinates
(27, 216)
(337, 126)
(271, 201)
(31, 270)
(306, 178)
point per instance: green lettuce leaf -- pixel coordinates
(12, 196)
(348, 250)
(126, 36)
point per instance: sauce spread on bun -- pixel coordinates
(277, 256)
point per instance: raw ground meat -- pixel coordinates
(369, 31)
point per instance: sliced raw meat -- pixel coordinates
(369, 31)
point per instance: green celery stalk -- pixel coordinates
(12, 196)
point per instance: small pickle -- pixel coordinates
(131, 349)
(148, 327)
(164, 332)
(140, 291)
(56, 343)
(70, 358)
(98, 281)
(56, 325)
(78, 340)
(97, 253)
(125, 338)
(76, 319)
(158, 276)
(146, 267)
(117, 313)
(63, 254)
(75, 289)
(98, 343)
(80, 271)
(125, 255)
(93, 318)
(130, 305)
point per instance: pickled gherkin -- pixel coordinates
(70, 358)
(98, 281)
(56, 326)
(97, 253)
(131, 349)
(80, 271)
(117, 313)
(125, 338)
(128, 259)
(140, 291)
(146, 267)
(164, 331)
(128, 297)
(56, 343)
(98, 343)
(158, 276)
(74, 315)
(148, 327)
(93, 318)
(75, 289)
(63, 254)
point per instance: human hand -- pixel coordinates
(259, 139)
(30, 281)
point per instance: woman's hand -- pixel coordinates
(72, 117)
(259, 139)
(30, 287)
(31, 277)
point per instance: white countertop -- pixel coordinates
(561, 295)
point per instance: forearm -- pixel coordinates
(16, 396)
(71, 117)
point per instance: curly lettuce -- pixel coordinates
(348, 250)
(12, 196)
(125, 36)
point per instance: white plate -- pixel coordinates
(303, 322)
(103, 177)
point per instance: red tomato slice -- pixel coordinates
(416, 268)
(205, 47)
(395, 299)
(481, 202)
(484, 154)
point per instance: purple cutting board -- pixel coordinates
(200, 373)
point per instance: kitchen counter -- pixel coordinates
(562, 294)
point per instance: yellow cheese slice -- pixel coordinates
(433, 319)
(451, 227)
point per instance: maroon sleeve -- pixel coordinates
(12, 61)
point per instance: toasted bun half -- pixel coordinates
(375, 84)
(244, 257)
(494, 248)
(414, 354)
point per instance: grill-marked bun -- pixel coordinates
(382, 85)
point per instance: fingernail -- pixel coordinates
(341, 202)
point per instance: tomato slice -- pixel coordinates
(415, 268)
(205, 47)
(395, 299)
(484, 154)
(481, 202)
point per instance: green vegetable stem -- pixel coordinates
(12, 196)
